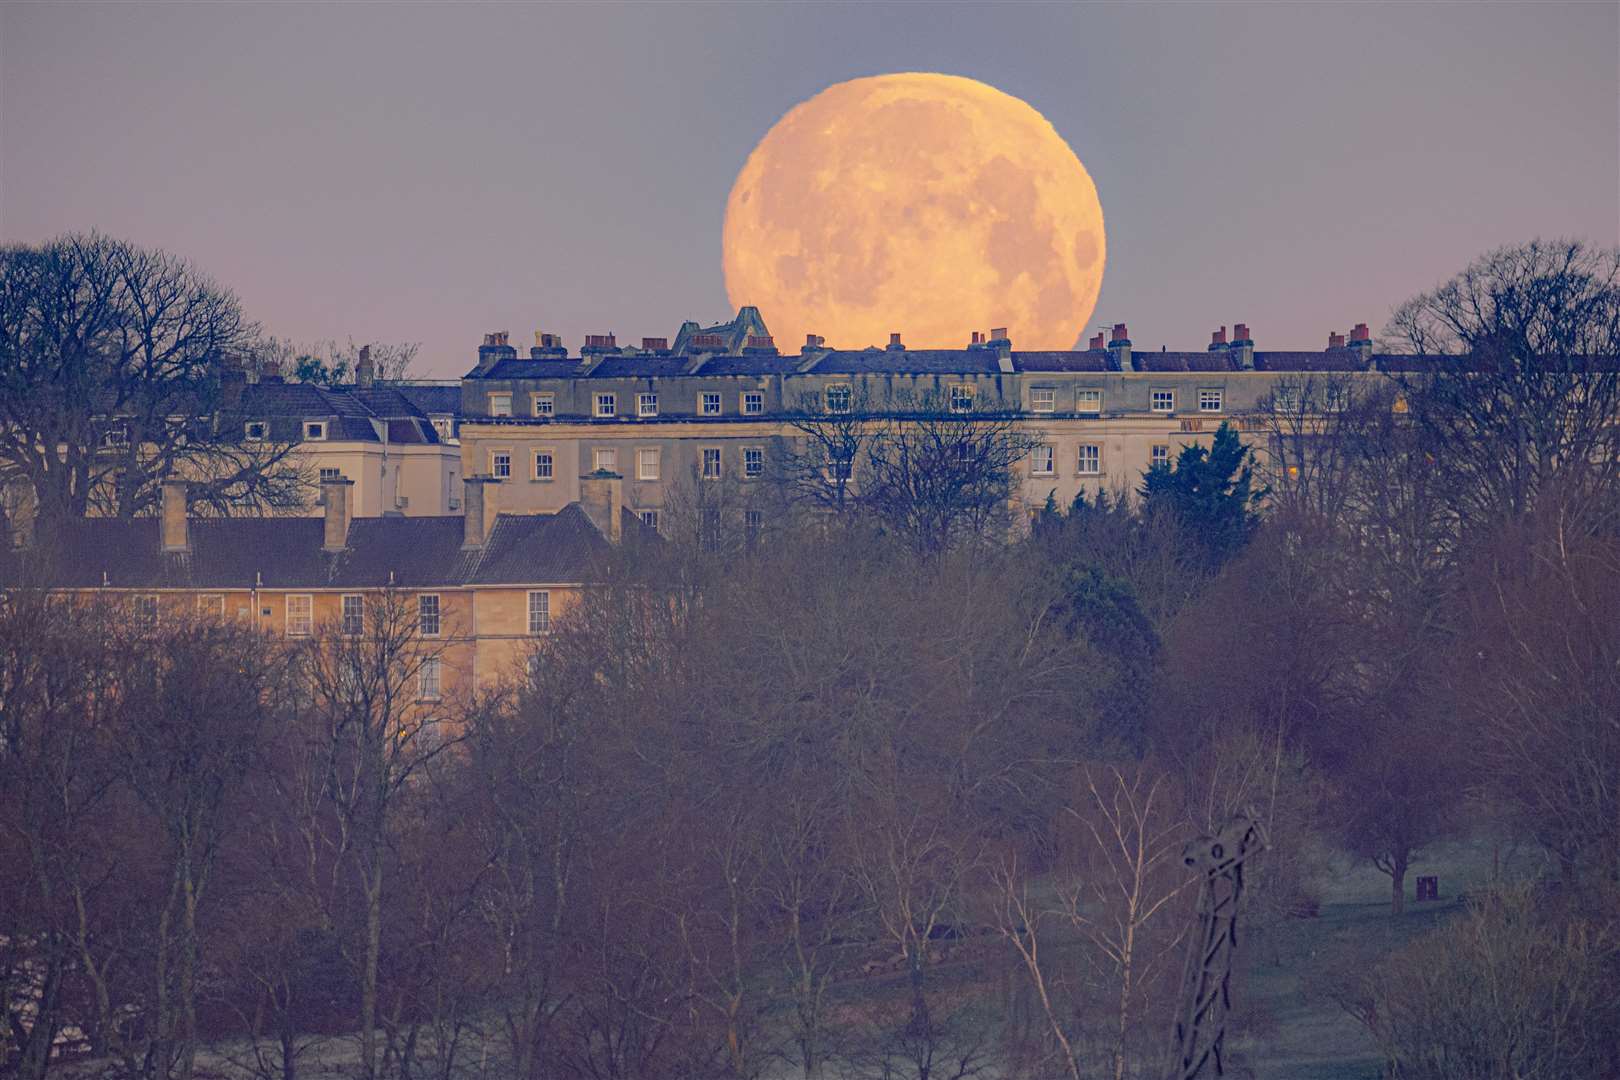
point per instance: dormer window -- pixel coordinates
(961, 398)
(314, 430)
(500, 404)
(255, 431)
(606, 406)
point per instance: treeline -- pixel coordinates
(840, 799)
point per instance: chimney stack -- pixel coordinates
(655, 344)
(547, 347)
(999, 333)
(176, 525)
(476, 507)
(1335, 340)
(814, 341)
(1096, 343)
(1119, 344)
(270, 370)
(895, 343)
(335, 497)
(1243, 345)
(1361, 341)
(1217, 340)
(365, 372)
(601, 496)
(760, 344)
(493, 351)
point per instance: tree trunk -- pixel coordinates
(1397, 880)
(368, 975)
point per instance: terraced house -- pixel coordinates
(720, 401)
(486, 583)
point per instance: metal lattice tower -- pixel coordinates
(1206, 995)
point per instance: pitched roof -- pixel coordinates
(286, 553)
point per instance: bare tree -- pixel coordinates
(375, 720)
(1528, 400)
(112, 365)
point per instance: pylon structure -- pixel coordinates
(1206, 981)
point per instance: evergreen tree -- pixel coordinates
(1210, 492)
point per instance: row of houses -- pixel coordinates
(491, 502)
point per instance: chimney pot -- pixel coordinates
(999, 333)
(1120, 333)
(1240, 331)
(1335, 340)
(1360, 333)
(654, 344)
(365, 372)
(1218, 337)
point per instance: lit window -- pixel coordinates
(647, 405)
(753, 403)
(211, 606)
(1164, 401)
(711, 404)
(1041, 461)
(542, 465)
(146, 612)
(647, 463)
(649, 518)
(838, 398)
(315, 430)
(300, 614)
(544, 404)
(961, 397)
(711, 463)
(427, 679)
(1159, 455)
(427, 614)
(605, 460)
(606, 405)
(1210, 400)
(1090, 459)
(1042, 399)
(500, 404)
(500, 465)
(753, 462)
(540, 612)
(255, 431)
(354, 615)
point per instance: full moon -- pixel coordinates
(927, 204)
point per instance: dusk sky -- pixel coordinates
(422, 172)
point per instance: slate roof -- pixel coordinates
(286, 553)
(909, 362)
(349, 410)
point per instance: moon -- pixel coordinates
(928, 204)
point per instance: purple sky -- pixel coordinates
(421, 172)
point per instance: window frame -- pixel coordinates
(961, 397)
(1158, 454)
(548, 398)
(704, 459)
(657, 457)
(612, 456)
(500, 403)
(840, 391)
(423, 615)
(313, 426)
(1088, 401)
(351, 623)
(1168, 408)
(496, 463)
(1043, 399)
(143, 610)
(255, 431)
(550, 468)
(606, 406)
(710, 403)
(1096, 459)
(216, 600)
(646, 405)
(1035, 468)
(754, 398)
(306, 620)
(1208, 394)
(649, 517)
(756, 469)
(542, 625)
(431, 672)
